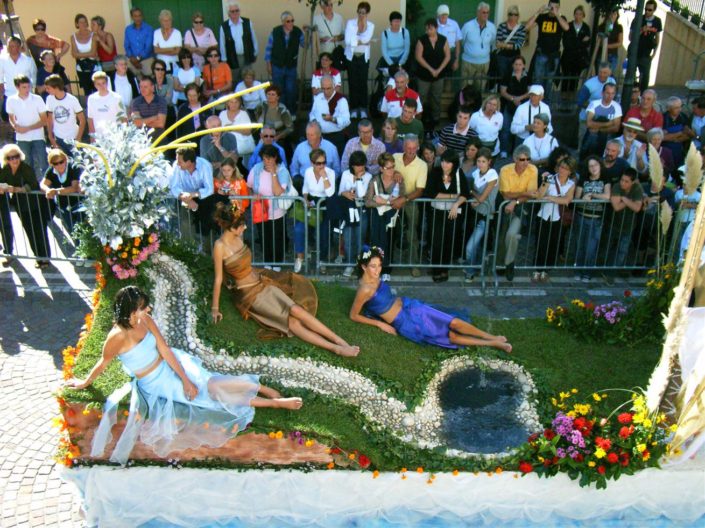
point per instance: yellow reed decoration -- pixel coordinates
(217, 102)
(153, 151)
(109, 173)
(232, 128)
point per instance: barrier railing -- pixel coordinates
(419, 235)
(597, 239)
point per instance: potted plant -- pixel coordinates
(695, 19)
(675, 6)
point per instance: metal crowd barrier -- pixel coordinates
(33, 226)
(595, 241)
(421, 237)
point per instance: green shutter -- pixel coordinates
(182, 11)
(460, 10)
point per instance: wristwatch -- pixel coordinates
(517, 202)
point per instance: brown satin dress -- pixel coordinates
(269, 299)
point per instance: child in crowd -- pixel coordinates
(230, 182)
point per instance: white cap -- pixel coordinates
(536, 89)
(442, 10)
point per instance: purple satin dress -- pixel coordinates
(416, 321)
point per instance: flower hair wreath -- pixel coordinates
(367, 252)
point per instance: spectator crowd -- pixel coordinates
(426, 189)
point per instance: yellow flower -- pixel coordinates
(651, 272)
(572, 414)
(646, 456)
(667, 276)
(673, 428)
(638, 418)
(600, 453)
(582, 408)
(308, 443)
(596, 397)
(564, 395)
(641, 448)
(574, 391)
(351, 456)
(541, 459)
(647, 423)
(604, 396)
(554, 402)
(86, 412)
(279, 435)
(591, 463)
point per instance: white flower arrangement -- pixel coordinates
(175, 315)
(119, 206)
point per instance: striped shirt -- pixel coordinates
(518, 38)
(452, 140)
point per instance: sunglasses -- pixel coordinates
(40, 28)
(159, 69)
(513, 14)
(523, 159)
(233, 10)
(212, 55)
(648, 9)
(198, 21)
(289, 21)
(319, 163)
(362, 12)
(13, 157)
(266, 136)
(389, 168)
(57, 163)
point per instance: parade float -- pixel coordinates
(403, 432)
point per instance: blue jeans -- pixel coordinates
(35, 153)
(354, 235)
(588, 233)
(323, 243)
(473, 247)
(285, 78)
(544, 70)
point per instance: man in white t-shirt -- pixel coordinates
(523, 120)
(104, 107)
(65, 121)
(604, 118)
(13, 63)
(28, 116)
(450, 29)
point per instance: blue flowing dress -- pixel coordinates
(416, 321)
(160, 415)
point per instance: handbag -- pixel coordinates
(566, 213)
(290, 191)
(87, 65)
(260, 211)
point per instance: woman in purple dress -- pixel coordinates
(376, 305)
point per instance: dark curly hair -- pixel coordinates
(228, 217)
(127, 301)
(365, 256)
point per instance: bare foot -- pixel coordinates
(505, 346)
(269, 392)
(501, 339)
(347, 350)
(289, 403)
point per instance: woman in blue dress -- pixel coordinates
(175, 402)
(376, 305)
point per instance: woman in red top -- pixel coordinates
(106, 43)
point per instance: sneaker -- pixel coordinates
(585, 279)
(543, 277)
(347, 273)
(298, 264)
(268, 267)
(386, 277)
(363, 114)
(577, 277)
(535, 276)
(415, 272)
(509, 272)
(276, 268)
(339, 259)
(469, 277)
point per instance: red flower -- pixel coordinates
(624, 459)
(579, 422)
(579, 457)
(604, 443)
(625, 432)
(335, 450)
(601, 470)
(627, 293)
(533, 438)
(625, 418)
(612, 458)
(589, 307)
(547, 462)
(549, 434)
(364, 461)
(525, 467)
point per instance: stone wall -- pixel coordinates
(681, 42)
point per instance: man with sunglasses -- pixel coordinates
(282, 57)
(266, 137)
(651, 26)
(238, 43)
(60, 179)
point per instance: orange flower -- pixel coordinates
(403, 470)
(456, 472)
(403, 477)
(206, 425)
(375, 474)
(351, 456)
(429, 481)
(137, 241)
(272, 435)
(419, 469)
(330, 465)
(126, 413)
(123, 254)
(498, 470)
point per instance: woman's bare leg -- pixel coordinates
(317, 326)
(299, 330)
(269, 392)
(277, 403)
(463, 327)
(464, 340)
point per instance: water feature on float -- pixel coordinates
(479, 410)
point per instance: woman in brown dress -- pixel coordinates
(284, 304)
